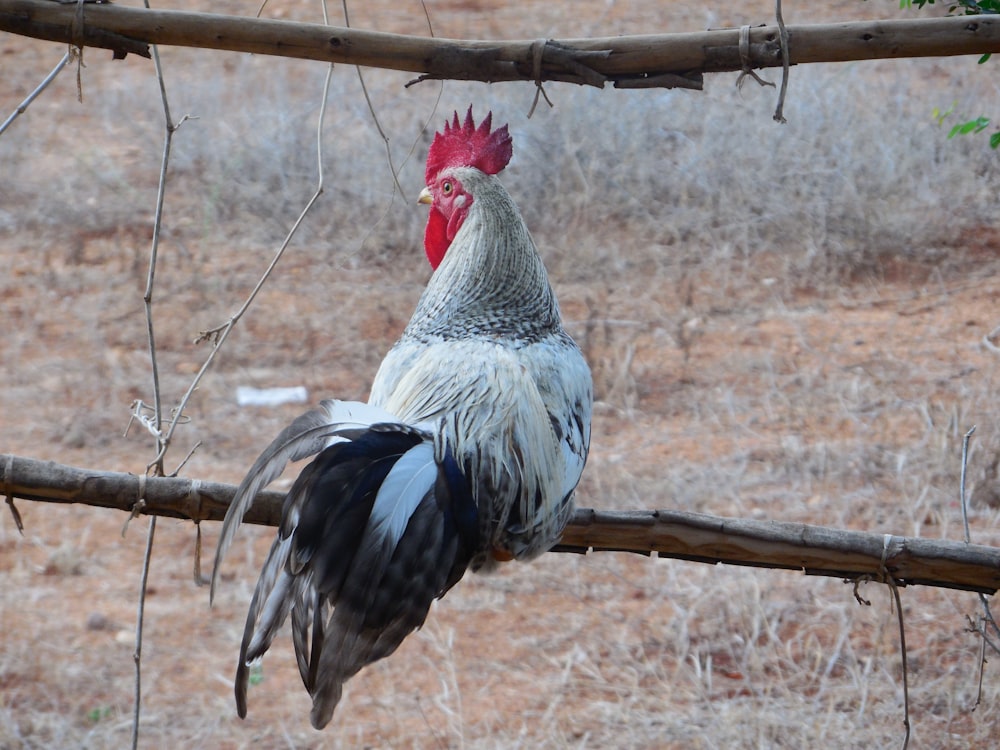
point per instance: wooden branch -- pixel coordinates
(687, 536)
(630, 61)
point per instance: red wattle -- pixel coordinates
(436, 240)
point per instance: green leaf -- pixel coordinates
(940, 116)
(995, 140)
(971, 126)
(256, 674)
(95, 715)
(985, 57)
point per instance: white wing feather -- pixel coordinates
(407, 483)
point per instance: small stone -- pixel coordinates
(97, 621)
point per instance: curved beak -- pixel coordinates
(425, 196)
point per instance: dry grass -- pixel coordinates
(783, 322)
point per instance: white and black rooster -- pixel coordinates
(466, 454)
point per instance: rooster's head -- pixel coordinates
(458, 145)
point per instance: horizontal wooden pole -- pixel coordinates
(677, 59)
(816, 550)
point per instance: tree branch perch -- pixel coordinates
(662, 60)
(815, 550)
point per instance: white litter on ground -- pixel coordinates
(249, 396)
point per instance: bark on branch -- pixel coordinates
(662, 60)
(688, 536)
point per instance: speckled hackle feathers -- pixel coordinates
(465, 145)
(467, 453)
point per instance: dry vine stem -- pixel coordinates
(783, 38)
(986, 620)
(163, 439)
(23, 106)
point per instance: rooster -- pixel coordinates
(466, 455)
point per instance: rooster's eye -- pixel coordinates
(446, 188)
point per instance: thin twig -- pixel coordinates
(779, 111)
(186, 458)
(16, 514)
(219, 334)
(371, 109)
(199, 580)
(427, 15)
(857, 590)
(986, 620)
(961, 484)
(989, 620)
(156, 422)
(982, 671)
(381, 132)
(437, 101)
(140, 615)
(169, 128)
(77, 44)
(884, 576)
(413, 146)
(23, 106)
(902, 652)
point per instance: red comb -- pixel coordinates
(465, 145)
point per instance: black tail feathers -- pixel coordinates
(372, 531)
